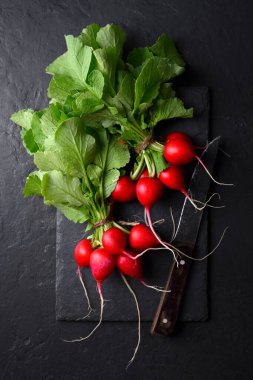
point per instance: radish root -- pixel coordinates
(157, 288)
(210, 175)
(139, 320)
(79, 274)
(99, 322)
(167, 245)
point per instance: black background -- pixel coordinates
(215, 38)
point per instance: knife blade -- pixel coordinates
(187, 232)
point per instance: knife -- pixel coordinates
(187, 232)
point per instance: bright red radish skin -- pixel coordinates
(141, 237)
(102, 264)
(82, 253)
(173, 178)
(124, 190)
(114, 241)
(176, 135)
(149, 191)
(130, 267)
(144, 174)
(179, 152)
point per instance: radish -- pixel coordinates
(141, 238)
(176, 135)
(82, 254)
(114, 241)
(133, 267)
(148, 192)
(182, 152)
(145, 173)
(173, 178)
(124, 190)
(102, 265)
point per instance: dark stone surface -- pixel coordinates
(215, 37)
(70, 303)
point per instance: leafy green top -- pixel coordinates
(96, 98)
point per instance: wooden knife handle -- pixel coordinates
(168, 309)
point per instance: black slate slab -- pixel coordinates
(70, 303)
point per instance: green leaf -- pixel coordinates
(111, 36)
(164, 47)
(166, 91)
(167, 69)
(94, 173)
(89, 35)
(96, 83)
(77, 148)
(107, 60)
(147, 84)
(168, 109)
(75, 214)
(61, 86)
(86, 103)
(118, 154)
(23, 118)
(126, 92)
(60, 188)
(28, 141)
(138, 56)
(110, 180)
(33, 184)
(75, 63)
(47, 161)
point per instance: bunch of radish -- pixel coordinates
(121, 248)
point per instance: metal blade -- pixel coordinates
(189, 221)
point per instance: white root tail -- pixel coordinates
(210, 175)
(99, 322)
(156, 288)
(79, 274)
(139, 320)
(168, 245)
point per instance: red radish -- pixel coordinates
(102, 265)
(82, 253)
(141, 238)
(173, 178)
(132, 268)
(149, 191)
(145, 173)
(114, 241)
(124, 190)
(176, 135)
(182, 152)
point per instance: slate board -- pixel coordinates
(70, 303)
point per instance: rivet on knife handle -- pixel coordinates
(168, 308)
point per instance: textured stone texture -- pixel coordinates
(215, 37)
(70, 304)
